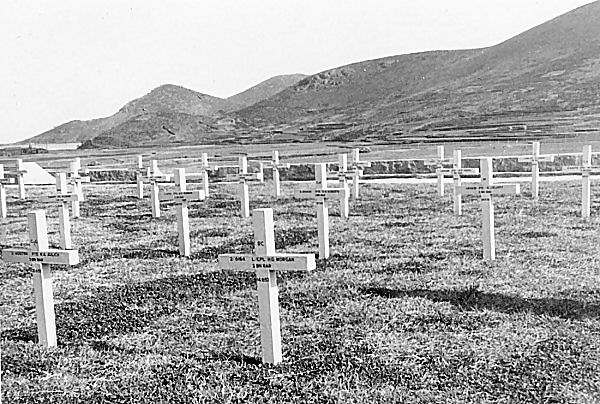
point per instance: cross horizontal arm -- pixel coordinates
(60, 198)
(51, 256)
(277, 262)
(328, 193)
(497, 189)
(180, 196)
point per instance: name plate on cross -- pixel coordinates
(277, 262)
(62, 198)
(51, 256)
(181, 196)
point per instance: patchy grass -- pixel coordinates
(405, 310)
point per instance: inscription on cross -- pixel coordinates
(41, 257)
(321, 195)
(439, 163)
(266, 262)
(485, 189)
(535, 159)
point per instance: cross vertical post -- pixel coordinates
(357, 167)
(586, 163)
(440, 174)
(243, 191)
(276, 166)
(155, 190)
(457, 154)
(205, 167)
(268, 292)
(74, 168)
(322, 211)
(140, 177)
(487, 209)
(3, 181)
(343, 181)
(535, 171)
(63, 213)
(21, 178)
(183, 222)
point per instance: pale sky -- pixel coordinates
(82, 59)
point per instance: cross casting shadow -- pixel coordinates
(473, 299)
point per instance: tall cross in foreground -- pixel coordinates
(535, 160)
(266, 262)
(40, 256)
(357, 167)
(585, 169)
(276, 166)
(321, 195)
(181, 198)
(3, 181)
(439, 163)
(485, 189)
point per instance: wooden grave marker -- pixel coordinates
(154, 176)
(62, 198)
(243, 176)
(41, 257)
(457, 172)
(586, 168)
(139, 177)
(3, 182)
(535, 159)
(75, 179)
(266, 262)
(180, 199)
(205, 168)
(439, 164)
(321, 195)
(276, 165)
(343, 176)
(485, 189)
(357, 168)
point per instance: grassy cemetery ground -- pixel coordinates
(405, 309)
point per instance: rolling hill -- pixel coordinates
(553, 68)
(544, 81)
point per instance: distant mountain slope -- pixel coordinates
(264, 90)
(552, 67)
(164, 99)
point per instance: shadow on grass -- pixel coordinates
(133, 307)
(473, 299)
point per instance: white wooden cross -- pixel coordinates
(457, 171)
(585, 169)
(535, 159)
(205, 168)
(321, 194)
(266, 262)
(485, 189)
(243, 176)
(75, 179)
(62, 198)
(343, 175)
(276, 166)
(439, 163)
(180, 199)
(3, 181)
(139, 176)
(357, 167)
(154, 176)
(41, 256)
(19, 173)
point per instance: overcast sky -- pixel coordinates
(81, 59)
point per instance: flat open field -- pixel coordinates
(404, 310)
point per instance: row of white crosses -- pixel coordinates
(41, 256)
